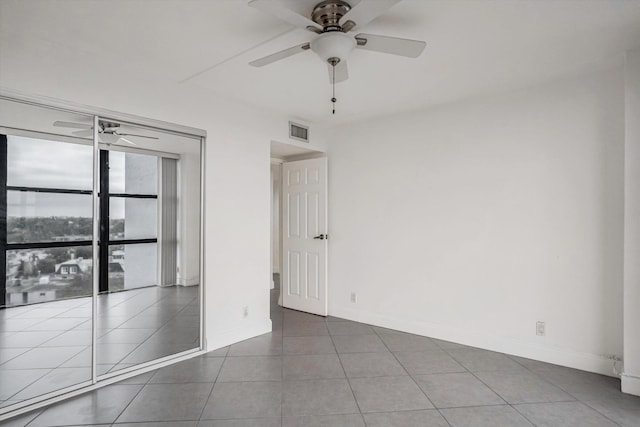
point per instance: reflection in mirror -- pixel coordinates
(46, 183)
(149, 301)
(133, 173)
(133, 218)
(148, 260)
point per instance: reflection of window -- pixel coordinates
(47, 209)
(131, 217)
(131, 239)
(36, 216)
(43, 274)
(48, 164)
(132, 173)
(132, 266)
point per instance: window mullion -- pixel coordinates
(104, 222)
(46, 190)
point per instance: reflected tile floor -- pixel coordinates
(44, 347)
(315, 371)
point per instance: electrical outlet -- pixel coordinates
(540, 329)
(245, 312)
(354, 297)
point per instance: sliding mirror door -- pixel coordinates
(100, 249)
(46, 236)
(149, 301)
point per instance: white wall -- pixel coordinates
(631, 375)
(470, 222)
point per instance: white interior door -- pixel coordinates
(304, 219)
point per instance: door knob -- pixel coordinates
(322, 236)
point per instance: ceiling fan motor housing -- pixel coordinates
(333, 44)
(328, 14)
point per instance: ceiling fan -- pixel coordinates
(334, 21)
(107, 131)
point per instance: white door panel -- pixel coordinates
(304, 278)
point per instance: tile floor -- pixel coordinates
(311, 371)
(44, 347)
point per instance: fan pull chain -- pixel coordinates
(333, 98)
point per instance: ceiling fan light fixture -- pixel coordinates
(334, 44)
(109, 138)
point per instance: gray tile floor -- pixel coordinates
(47, 346)
(312, 371)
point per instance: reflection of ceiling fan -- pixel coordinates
(108, 131)
(333, 20)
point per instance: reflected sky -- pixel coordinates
(39, 163)
(52, 164)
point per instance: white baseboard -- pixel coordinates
(572, 359)
(630, 384)
(219, 339)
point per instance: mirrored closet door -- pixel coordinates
(100, 240)
(149, 297)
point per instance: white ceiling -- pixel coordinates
(474, 47)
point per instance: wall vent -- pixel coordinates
(299, 132)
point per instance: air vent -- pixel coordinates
(299, 132)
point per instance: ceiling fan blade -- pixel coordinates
(392, 45)
(279, 11)
(342, 72)
(366, 11)
(72, 125)
(280, 55)
(133, 134)
(128, 141)
(87, 133)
